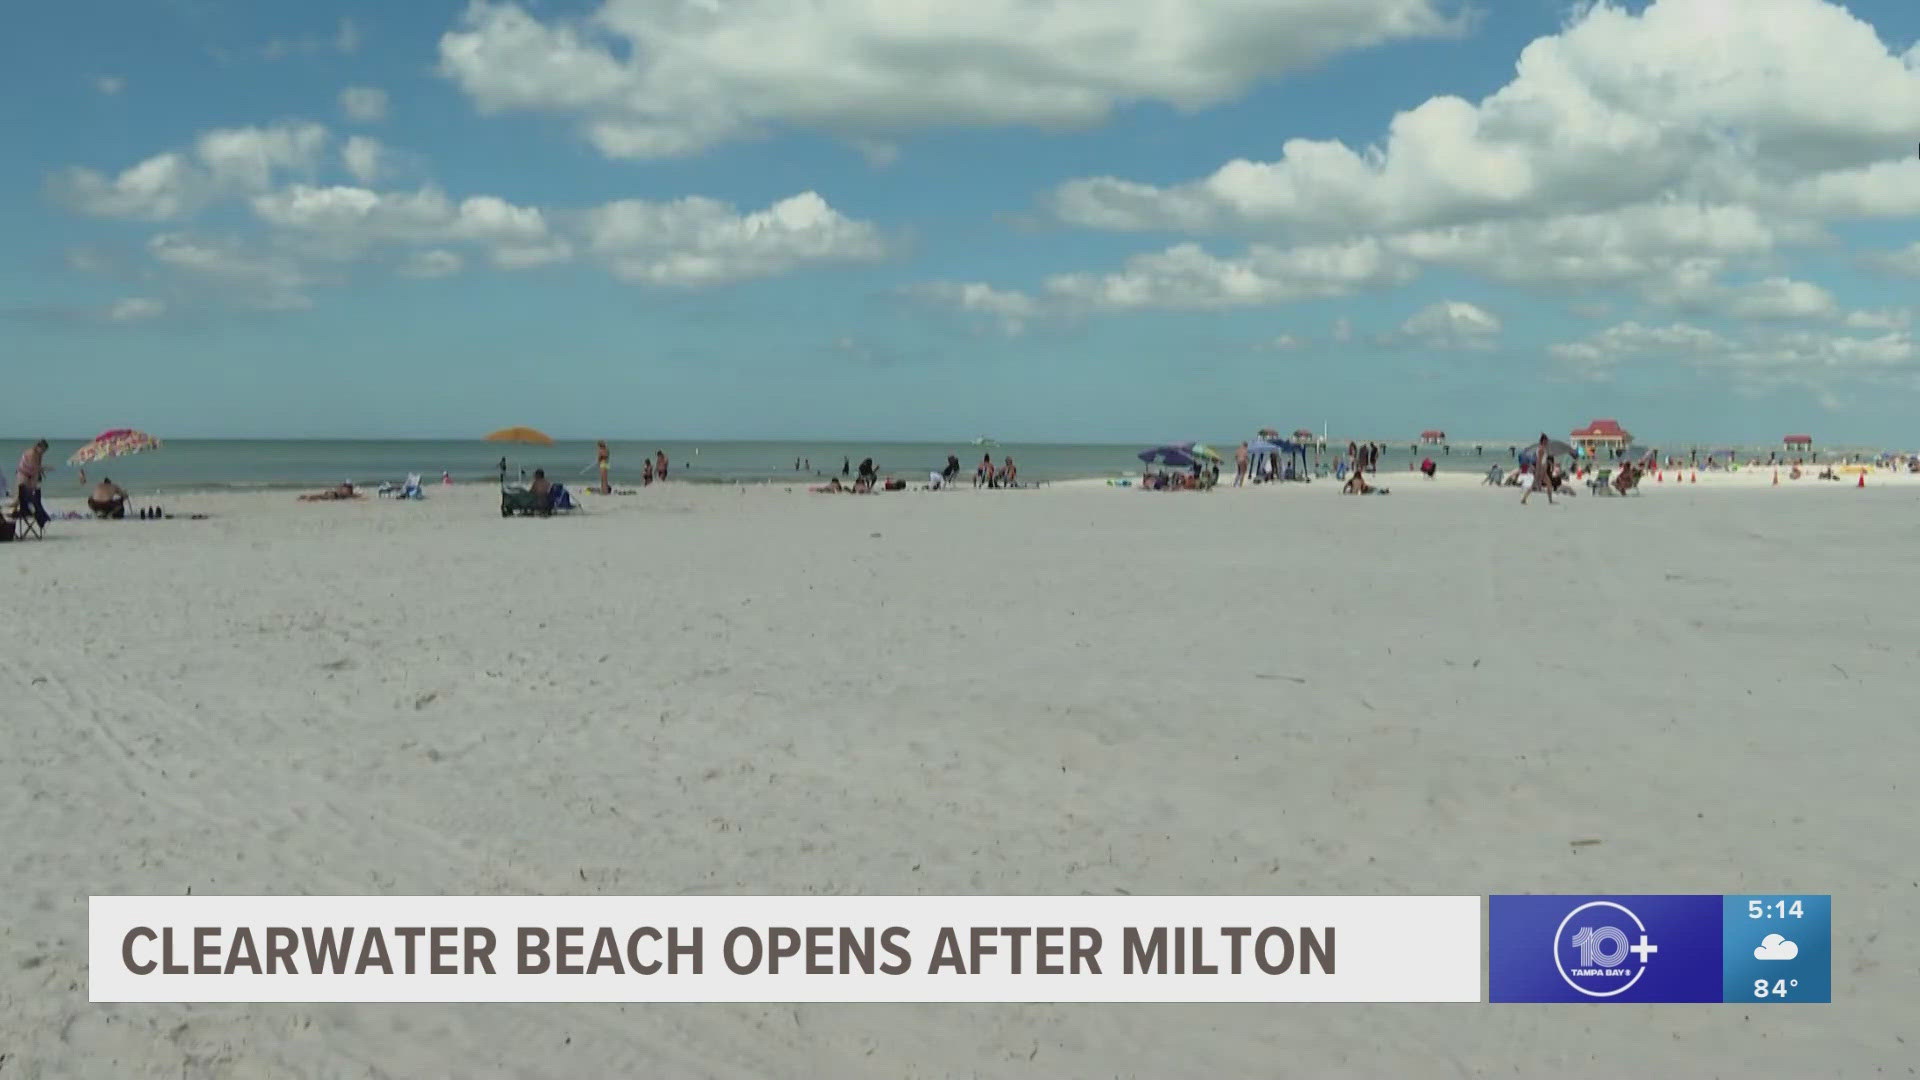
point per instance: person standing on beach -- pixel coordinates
(503, 472)
(1240, 465)
(1542, 478)
(605, 463)
(660, 465)
(26, 482)
(846, 466)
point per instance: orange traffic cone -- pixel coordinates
(1863, 481)
(1660, 476)
(1694, 477)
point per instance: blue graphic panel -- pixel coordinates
(1778, 948)
(1605, 948)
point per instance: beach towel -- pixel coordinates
(559, 499)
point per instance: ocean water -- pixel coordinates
(205, 464)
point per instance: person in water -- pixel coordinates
(660, 465)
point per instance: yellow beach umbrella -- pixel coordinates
(521, 435)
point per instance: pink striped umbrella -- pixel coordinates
(111, 444)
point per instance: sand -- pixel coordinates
(1083, 689)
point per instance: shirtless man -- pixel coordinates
(109, 500)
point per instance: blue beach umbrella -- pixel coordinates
(1173, 455)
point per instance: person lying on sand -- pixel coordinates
(1357, 485)
(831, 487)
(342, 491)
(109, 500)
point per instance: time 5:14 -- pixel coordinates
(1779, 909)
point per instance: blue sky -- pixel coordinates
(673, 218)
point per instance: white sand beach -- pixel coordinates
(1076, 690)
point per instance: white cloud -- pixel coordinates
(1775, 947)
(649, 79)
(1656, 151)
(177, 183)
(135, 309)
(700, 241)
(1186, 277)
(690, 242)
(342, 222)
(432, 263)
(1778, 298)
(1904, 261)
(1887, 319)
(109, 84)
(248, 277)
(1013, 309)
(1689, 97)
(1452, 324)
(362, 157)
(364, 104)
(1755, 360)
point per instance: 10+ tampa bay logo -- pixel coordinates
(1595, 955)
(1604, 948)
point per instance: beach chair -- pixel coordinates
(1599, 483)
(406, 489)
(25, 523)
(515, 499)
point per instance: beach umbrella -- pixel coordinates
(1173, 455)
(1268, 433)
(1202, 450)
(1555, 448)
(1300, 434)
(521, 435)
(118, 442)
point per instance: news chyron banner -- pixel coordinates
(1599, 949)
(785, 948)
(1746, 949)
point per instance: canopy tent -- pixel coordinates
(1261, 448)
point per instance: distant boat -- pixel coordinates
(985, 441)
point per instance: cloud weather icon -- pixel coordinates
(1775, 947)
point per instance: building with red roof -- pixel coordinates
(1601, 436)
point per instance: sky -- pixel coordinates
(1040, 220)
